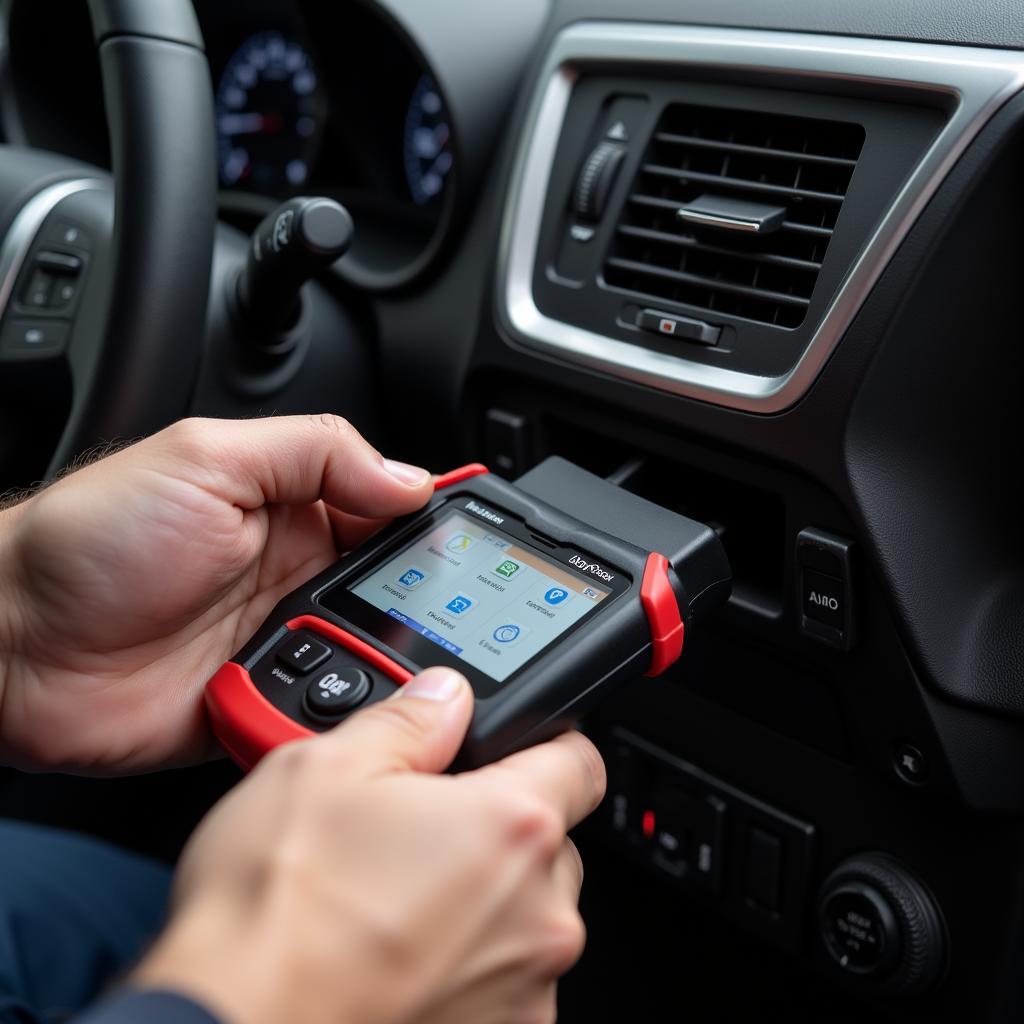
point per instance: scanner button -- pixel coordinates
(337, 692)
(302, 653)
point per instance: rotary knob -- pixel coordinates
(596, 178)
(880, 924)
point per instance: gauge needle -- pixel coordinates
(250, 123)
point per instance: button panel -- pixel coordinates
(728, 848)
(316, 680)
(46, 293)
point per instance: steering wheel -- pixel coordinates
(103, 300)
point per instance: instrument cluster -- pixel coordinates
(332, 100)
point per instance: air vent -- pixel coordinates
(760, 195)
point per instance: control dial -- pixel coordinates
(597, 176)
(879, 923)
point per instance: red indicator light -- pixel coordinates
(648, 824)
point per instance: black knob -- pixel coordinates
(290, 245)
(597, 176)
(338, 692)
(880, 924)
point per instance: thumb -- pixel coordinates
(420, 730)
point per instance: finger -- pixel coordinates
(567, 773)
(420, 731)
(568, 870)
(296, 460)
(350, 531)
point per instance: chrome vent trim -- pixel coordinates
(974, 82)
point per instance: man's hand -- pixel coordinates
(124, 586)
(340, 883)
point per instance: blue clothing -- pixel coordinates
(75, 915)
(147, 1008)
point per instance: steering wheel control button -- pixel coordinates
(27, 339)
(337, 692)
(826, 589)
(59, 263)
(302, 653)
(40, 289)
(53, 280)
(672, 326)
(64, 234)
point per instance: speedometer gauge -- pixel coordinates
(427, 149)
(269, 114)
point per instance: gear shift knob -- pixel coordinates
(290, 245)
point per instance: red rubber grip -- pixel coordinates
(248, 725)
(662, 610)
(457, 476)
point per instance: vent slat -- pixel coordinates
(787, 225)
(740, 184)
(694, 142)
(688, 242)
(694, 152)
(707, 282)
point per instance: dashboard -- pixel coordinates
(759, 264)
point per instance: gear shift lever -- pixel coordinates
(290, 245)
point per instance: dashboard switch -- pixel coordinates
(672, 326)
(826, 587)
(507, 442)
(824, 598)
(763, 875)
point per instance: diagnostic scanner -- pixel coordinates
(545, 593)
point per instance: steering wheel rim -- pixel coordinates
(134, 350)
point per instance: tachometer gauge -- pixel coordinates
(269, 115)
(427, 149)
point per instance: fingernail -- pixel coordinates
(411, 475)
(434, 684)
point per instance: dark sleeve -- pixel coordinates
(147, 1008)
